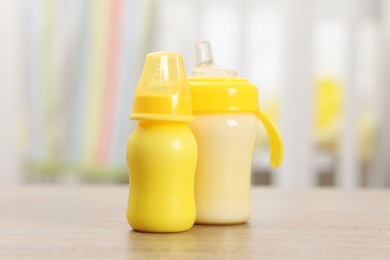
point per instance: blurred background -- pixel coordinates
(68, 70)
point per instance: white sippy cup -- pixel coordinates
(226, 114)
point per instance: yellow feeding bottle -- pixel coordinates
(226, 114)
(162, 151)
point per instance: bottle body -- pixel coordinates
(162, 159)
(222, 181)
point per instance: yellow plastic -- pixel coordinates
(162, 151)
(276, 145)
(234, 95)
(162, 91)
(162, 160)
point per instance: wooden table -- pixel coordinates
(89, 222)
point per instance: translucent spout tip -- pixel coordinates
(204, 54)
(205, 63)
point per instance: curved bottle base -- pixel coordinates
(162, 229)
(222, 219)
(220, 223)
(157, 226)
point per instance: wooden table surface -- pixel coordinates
(89, 222)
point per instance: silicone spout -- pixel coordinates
(204, 54)
(206, 66)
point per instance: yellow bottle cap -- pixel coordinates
(218, 90)
(162, 92)
(222, 94)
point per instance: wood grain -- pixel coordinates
(38, 222)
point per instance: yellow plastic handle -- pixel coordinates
(275, 141)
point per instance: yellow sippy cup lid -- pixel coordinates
(162, 92)
(218, 90)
